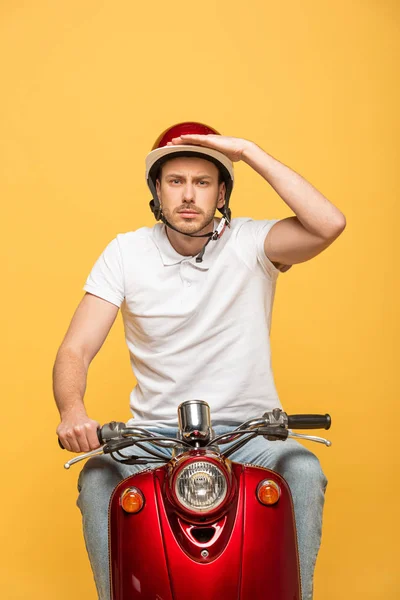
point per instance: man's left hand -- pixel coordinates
(232, 147)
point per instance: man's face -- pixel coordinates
(189, 193)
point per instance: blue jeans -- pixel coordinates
(299, 466)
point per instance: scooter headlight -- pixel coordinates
(201, 486)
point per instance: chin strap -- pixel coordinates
(215, 235)
(212, 235)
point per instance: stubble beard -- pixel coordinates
(188, 225)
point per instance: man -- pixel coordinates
(196, 294)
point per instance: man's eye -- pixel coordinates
(203, 181)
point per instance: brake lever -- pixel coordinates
(311, 438)
(82, 457)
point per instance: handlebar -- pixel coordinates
(309, 421)
(274, 425)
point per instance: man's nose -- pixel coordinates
(188, 192)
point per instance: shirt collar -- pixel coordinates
(170, 256)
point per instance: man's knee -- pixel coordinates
(303, 466)
(310, 468)
(97, 481)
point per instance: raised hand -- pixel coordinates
(232, 147)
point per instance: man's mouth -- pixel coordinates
(187, 211)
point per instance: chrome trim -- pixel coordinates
(195, 422)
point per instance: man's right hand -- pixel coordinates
(78, 433)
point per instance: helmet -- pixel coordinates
(160, 153)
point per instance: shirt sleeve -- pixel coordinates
(260, 233)
(251, 239)
(106, 279)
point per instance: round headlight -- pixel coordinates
(201, 486)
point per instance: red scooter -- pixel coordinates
(202, 525)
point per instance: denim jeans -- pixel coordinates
(294, 462)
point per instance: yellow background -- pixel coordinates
(86, 89)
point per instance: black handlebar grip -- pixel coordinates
(309, 421)
(98, 437)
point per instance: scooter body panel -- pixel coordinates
(138, 566)
(251, 555)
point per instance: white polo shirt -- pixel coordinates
(194, 330)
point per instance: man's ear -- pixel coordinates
(221, 195)
(158, 186)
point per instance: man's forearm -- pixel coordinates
(77, 432)
(315, 212)
(69, 382)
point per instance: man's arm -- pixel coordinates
(317, 222)
(86, 334)
(296, 239)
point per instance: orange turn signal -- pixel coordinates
(132, 500)
(268, 492)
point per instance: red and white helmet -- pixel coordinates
(160, 153)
